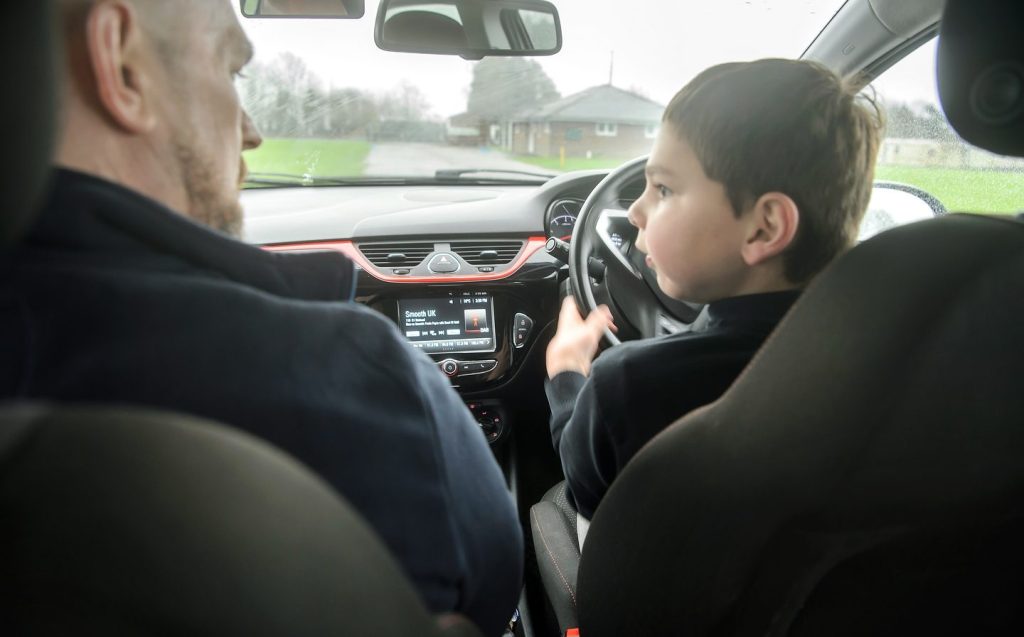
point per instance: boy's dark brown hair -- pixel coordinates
(786, 126)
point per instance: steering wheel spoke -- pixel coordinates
(616, 236)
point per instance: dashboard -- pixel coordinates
(561, 217)
(461, 270)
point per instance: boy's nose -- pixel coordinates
(636, 215)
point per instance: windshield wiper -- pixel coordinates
(458, 173)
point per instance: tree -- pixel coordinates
(919, 121)
(281, 96)
(350, 111)
(286, 99)
(406, 103)
(503, 87)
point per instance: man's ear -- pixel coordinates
(773, 222)
(115, 45)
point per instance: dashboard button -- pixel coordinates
(401, 271)
(490, 418)
(486, 268)
(477, 367)
(443, 263)
(522, 325)
(450, 367)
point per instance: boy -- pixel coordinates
(759, 177)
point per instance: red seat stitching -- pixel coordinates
(543, 539)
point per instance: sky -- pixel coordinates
(658, 45)
(912, 79)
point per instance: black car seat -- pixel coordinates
(116, 521)
(865, 474)
(27, 114)
(121, 521)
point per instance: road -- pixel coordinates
(422, 160)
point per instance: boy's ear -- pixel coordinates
(773, 222)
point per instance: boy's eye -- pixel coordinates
(662, 191)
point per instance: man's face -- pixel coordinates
(688, 229)
(205, 122)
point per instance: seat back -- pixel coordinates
(120, 521)
(28, 111)
(884, 414)
(864, 475)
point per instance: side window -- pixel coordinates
(920, 148)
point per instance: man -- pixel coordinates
(122, 293)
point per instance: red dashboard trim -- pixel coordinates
(349, 249)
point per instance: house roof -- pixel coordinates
(604, 103)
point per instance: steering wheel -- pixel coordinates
(605, 267)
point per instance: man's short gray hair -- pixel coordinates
(165, 21)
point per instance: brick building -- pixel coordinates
(601, 121)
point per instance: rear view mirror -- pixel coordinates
(303, 8)
(471, 29)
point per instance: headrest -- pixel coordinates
(425, 29)
(125, 521)
(981, 73)
(887, 403)
(27, 111)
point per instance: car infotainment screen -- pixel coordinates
(458, 323)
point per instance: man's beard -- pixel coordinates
(207, 202)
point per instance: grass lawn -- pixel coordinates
(318, 157)
(958, 189)
(963, 190)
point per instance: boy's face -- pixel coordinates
(688, 229)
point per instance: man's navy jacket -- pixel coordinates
(114, 298)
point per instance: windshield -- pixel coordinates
(330, 104)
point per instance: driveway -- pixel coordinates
(422, 160)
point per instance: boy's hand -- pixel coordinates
(574, 344)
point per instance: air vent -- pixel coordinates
(487, 252)
(396, 255)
